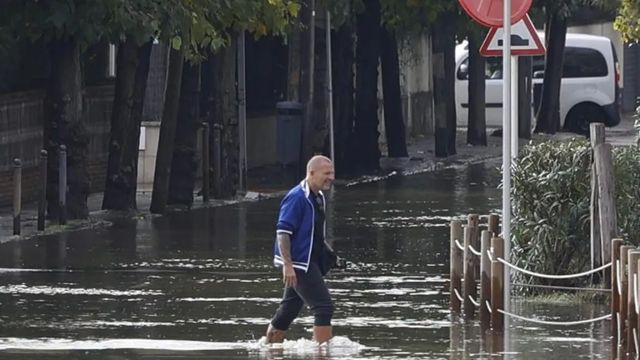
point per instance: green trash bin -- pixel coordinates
(289, 132)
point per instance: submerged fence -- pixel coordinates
(477, 282)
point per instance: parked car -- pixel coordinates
(589, 90)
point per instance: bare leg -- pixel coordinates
(274, 335)
(322, 334)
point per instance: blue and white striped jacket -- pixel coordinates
(297, 217)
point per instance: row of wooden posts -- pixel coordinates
(62, 180)
(625, 300)
(467, 267)
(470, 267)
(42, 199)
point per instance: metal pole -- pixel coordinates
(42, 203)
(17, 195)
(514, 107)
(205, 162)
(242, 113)
(506, 158)
(330, 89)
(62, 185)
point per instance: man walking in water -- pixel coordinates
(300, 249)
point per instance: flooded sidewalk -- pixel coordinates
(269, 182)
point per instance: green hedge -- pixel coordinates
(551, 189)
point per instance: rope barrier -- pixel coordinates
(559, 287)
(635, 340)
(635, 293)
(619, 278)
(489, 255)
(460, 246)
(559, 323)
(457, 294)
(486, 302)
(474, 251)
(473, 301)
(546, 276)
(619, 328)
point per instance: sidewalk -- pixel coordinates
(273, 182)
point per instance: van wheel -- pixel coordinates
(582, 115)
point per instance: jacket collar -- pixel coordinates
(307, 190)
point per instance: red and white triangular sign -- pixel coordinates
(524, 40)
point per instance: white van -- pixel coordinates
(589, 89)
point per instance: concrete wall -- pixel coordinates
(22, 116)
(147, 150)
(416, 87)
(261, 147)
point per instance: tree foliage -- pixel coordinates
(628, 20)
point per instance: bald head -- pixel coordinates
(317, 161)
(320, 173)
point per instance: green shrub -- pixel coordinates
(551, 197)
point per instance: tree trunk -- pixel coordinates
(524, 97)
(342, 51)
(307, 80)
(159, 196)
(548, 117)
(65, 127)
(365, 136)
(225, 119)
(443, 39)
(122, 167)
(184, 164)
(477, 128)
(393, 117)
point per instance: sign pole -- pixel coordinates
(506, 150)
(515, 123)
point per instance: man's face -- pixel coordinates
(321, 178)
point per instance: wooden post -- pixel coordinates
(42, 203)
(17, 195)
(469, 275)
(597, 138)
(473, 222)
(624, 283)
(455, 266)
(493, 226)
(485, 280)
(606, 198)
(615, 299)
(497, 285)
(632, 317)
(206, 186)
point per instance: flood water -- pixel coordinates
(201, 285)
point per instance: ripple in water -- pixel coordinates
(338, 347)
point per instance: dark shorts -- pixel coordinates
(311, 290)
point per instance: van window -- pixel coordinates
(583, 62)
(492, 69)
(578, 62)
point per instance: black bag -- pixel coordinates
(330, 260)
